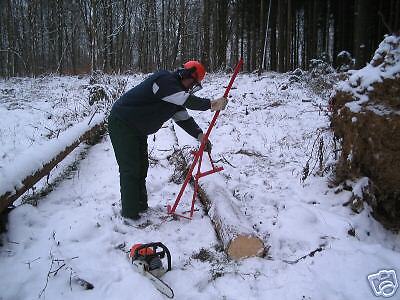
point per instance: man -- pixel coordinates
(142, 111)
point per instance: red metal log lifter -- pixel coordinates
(198, 157)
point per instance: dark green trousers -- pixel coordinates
(130, 150)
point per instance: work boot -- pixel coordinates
(134, 216)
(128, 220)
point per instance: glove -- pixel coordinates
(218, 104)
(208, 145)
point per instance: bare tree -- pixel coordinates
(80, 36)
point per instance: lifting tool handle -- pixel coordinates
(214, 119)
(199, 154)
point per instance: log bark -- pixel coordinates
(232, 228)
(9, 197)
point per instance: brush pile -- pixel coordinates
(366, 120)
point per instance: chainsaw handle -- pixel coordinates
(155, 246)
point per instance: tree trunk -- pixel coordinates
(289, 34)
(163, 41)
(281, 35)
(155, 47)
(14, 193)
(215, 36)
(73, 46)
(60, 31)
(253, 37)
(361, 35)
(122, 47)
(222, 9)
(262, 29)
(242, 15)
(236, 34)
(106, 32)
(205, 56)
(183, 45)
(273, 58)
(11, 45)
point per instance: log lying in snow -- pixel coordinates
(9, 192)
(233, 229)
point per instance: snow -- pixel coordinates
(36, 110)
(385, 64)
(344, 53)
(31, 160)
(40, 118)
(361, 184)
(263, 153)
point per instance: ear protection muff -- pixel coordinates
(186, 73)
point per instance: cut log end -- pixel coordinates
(245, 246)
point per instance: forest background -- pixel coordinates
(120, 36)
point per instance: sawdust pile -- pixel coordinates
(366, 119)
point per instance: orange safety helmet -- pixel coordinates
(198, 72)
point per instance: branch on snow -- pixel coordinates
(57, 265)
(249, 153)
(311, 254)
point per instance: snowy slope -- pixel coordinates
(40, 117)
(35, 110)
(263, 152)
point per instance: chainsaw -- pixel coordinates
(147, 260)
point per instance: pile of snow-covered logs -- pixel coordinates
(366, 119)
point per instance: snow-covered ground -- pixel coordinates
(35, 110)
(270, 130)
(40, 117)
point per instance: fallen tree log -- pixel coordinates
(13, 192)
(234, 230)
